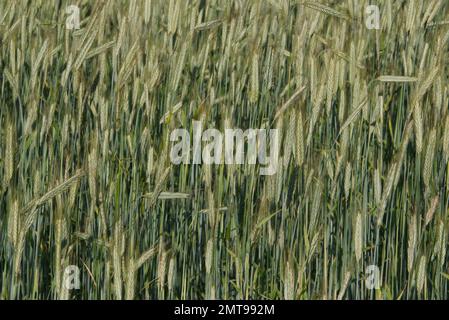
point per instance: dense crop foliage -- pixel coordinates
(86, 178)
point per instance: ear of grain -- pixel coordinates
(116, 261)
(316, 110)
(431, 210)
(171, 274)
(353, 116)
(9, 153)
(428, 162)
(299, 140)
(289, 282)
(29, 210)
(388, 78)
(290, 139)
(315, 210)
(39, 59)
(418, 122)
(14, 223)
(324, 9)
(173, 15)
(93, 165)
(209, 255)
(161, 269)
(411, 243)
(358, 240)
(348, 174)
(289, 102)
(254, 91)
(84, 50)
(386, 192)
(446, 140)
(344, 286)
(421, 275)
(144, 257)
(426, 83)
(440, 245)
(377, 186)
(147, 11)
(330, 86)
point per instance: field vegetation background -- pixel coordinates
(86, 178)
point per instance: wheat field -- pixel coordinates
(360, 196)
